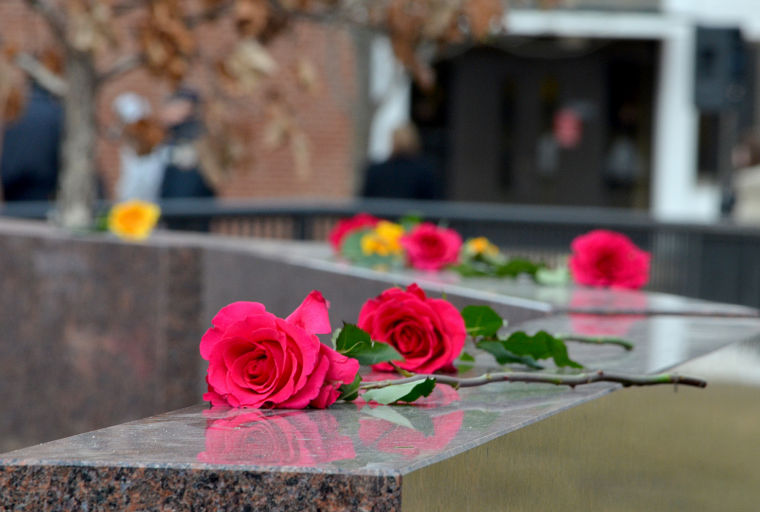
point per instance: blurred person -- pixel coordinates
(746, 180)
(30, 160)
(183, 176)
(407, 174)
(142, 155)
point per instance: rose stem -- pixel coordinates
(596, 340)
(547, 378)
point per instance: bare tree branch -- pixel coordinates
(46, 79)
(127, 6)
(52, 14)
(121, 66)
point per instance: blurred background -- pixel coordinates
(635, 104)
(531, 121)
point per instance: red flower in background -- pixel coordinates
(429, 333)
(429, 247)
(345, 227)
(293, 438)
(259, 360)
(607, 258)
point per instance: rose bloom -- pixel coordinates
(258, 360)
(290, 438)
(428, 333)
(133, 220)
(384, 240)
(429, 247)
(345, 227)
(480, 246)
(607, 258)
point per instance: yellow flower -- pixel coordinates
(133, 220)
(384, 240)
(480, 246)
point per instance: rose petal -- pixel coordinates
(235, 312)
(312, 314)
(312, 388)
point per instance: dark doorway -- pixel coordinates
(543, 121)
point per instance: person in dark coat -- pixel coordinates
(30, 159)
(182, 175)
(407, 174)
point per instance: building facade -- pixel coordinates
(589, 103)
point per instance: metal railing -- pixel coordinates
(712, 261)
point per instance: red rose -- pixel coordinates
(607, 258)
(429, 333)
(345, 227)
(293, 438)
(259, 360)
(429, 247)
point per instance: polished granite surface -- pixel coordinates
(351, 457)
(361, 439)
(521, 292)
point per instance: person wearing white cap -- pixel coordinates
(143, 156)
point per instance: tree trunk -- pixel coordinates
(364, 109)
(76, 186)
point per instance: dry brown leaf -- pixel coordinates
(306, 75)
(251, 17)
(13, 104)
(145, 134)
(481, 14)
(248, 64)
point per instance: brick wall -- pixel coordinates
(324, 113)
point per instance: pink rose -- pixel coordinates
(607, 258)
(258, 360)
(429, 333)
(292, 438)
(429, 247)
(345, 227)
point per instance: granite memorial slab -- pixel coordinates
(520, 292)
(97, 332)
(353, 456)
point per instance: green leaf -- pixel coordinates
(541, 345)
(351, 247)
(355, 342)
(408, 392)
(410, 220)
(466, 269)
(465, 363)
(552, 276)
(481, 321)
(515, 267)
(350, 392)
(504, 356)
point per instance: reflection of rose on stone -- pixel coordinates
(589, 324)
(389, 437)
(293, 438)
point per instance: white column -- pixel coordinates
(390, 90)
(675, 193)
